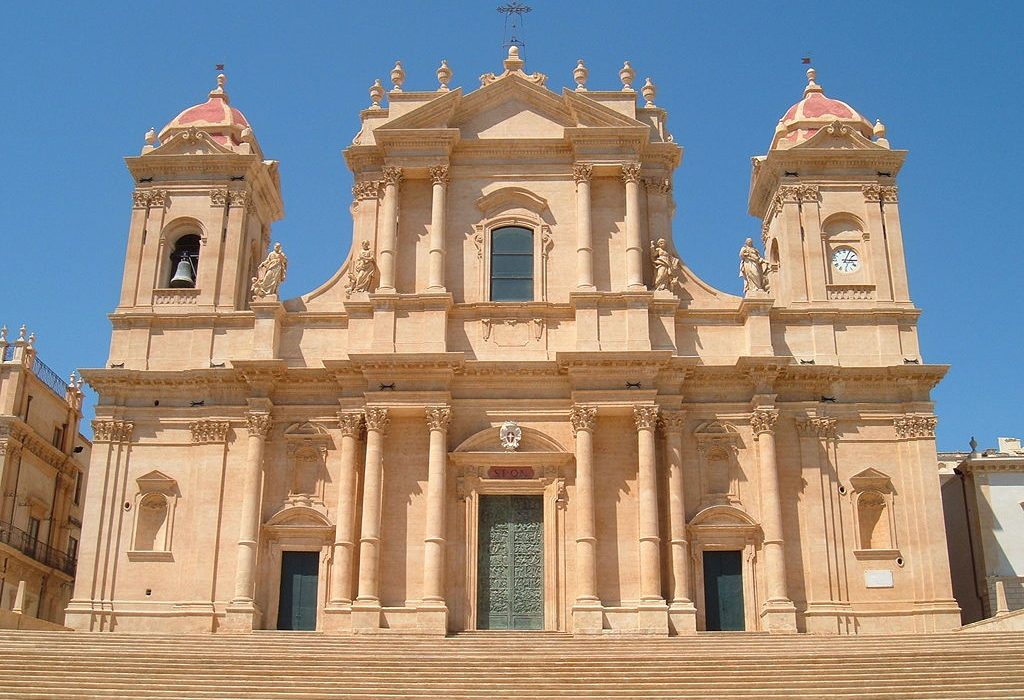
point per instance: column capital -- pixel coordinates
(439, 174)
(208, 430)
(106, 430)
(817, 426)
(763, 420)
(631, 172)
(377, 420)
(658, 185)
(583, 418)
(439, 418)
(582, 172)
(258, 423)
(645, 417)
(351, 423)
(368, 189)
(392, 176)
(673, 420)
(915, 426)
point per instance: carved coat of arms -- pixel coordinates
(510, 434)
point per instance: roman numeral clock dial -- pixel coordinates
(845, 259)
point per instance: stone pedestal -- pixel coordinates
(266, 335)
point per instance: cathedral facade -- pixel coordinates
(514, 406)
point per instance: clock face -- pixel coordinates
(845, 259)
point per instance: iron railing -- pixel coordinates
(35, 548)
(8, 353)
(50, 378)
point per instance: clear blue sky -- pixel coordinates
(83, 82)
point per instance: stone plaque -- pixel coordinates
(878, 578)
(510, 473)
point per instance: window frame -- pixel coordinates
(542, 242)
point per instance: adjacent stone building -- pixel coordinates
(43, 466)
(514, 406)
(983, 503)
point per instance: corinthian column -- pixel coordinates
(438, 420)
(435, 279)
(634, 248)
(258, 424)
(779, 613)
(581, 173)
(389, 230)
(351, 423)
(653, 614)
(681, 611)
(587, 615)
(369, 540)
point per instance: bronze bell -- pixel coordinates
(184, 275)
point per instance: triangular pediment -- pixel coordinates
(156, 481)
(511, 107)
(838, 136)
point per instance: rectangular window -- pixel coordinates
(72, 548)
(78, 488)
(58, 437)
(512, 264)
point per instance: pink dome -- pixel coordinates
(225, 124)
(814, 111)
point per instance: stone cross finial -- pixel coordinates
(579, 74)
(444, 76)
(649, 91)
(626, 75)
(397, 76)
(376, 94)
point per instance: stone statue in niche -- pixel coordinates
(270, 274)
(668, 270)
(364, 267)
(753, 269)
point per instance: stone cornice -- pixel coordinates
(16, 436)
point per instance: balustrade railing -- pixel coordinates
(36, 548)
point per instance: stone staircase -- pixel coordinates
(75, 665)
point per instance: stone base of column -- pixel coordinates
(587, 618)
(432, 618)
(652, 618)
(778, 617)
(336, 618)
(240, 616)
(682, 618)
(366, 616)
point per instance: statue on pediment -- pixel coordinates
(753, 269)
(270, 274)
(668, 270)
(364, 267)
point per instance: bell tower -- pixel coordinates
(826, 194)
(201, 213)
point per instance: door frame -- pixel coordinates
(319, 586)
(294, 529)
(726, 528)
(549, 483)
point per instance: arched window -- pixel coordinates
(184, 268)
(151, 527)
(512, 264)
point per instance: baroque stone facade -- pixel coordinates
(514, 405)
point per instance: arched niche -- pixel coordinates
(539, 466)
(154, 508)
(873, 501)
(181, 233)
(726, 528)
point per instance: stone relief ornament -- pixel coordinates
(258, 423)
(270, 274)
(364, 267)
(438, 417)
(753, 269)
(510, 435)
(763, 420)
(583, 418)
(667, 268)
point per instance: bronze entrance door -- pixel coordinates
(723, 591)
(510, 565)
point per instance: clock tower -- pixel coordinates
(827, 197)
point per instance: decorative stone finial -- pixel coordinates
(71, 380)
(151, 136)
(397, 76)
(811, 85)
(219, 90)
(376, 94)
(626, 75)
(649, 91)
(579, 74)
(21, 334)
(513, 62)
(444, 75)
(32, 339)
(879, 133)
(3, 334)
